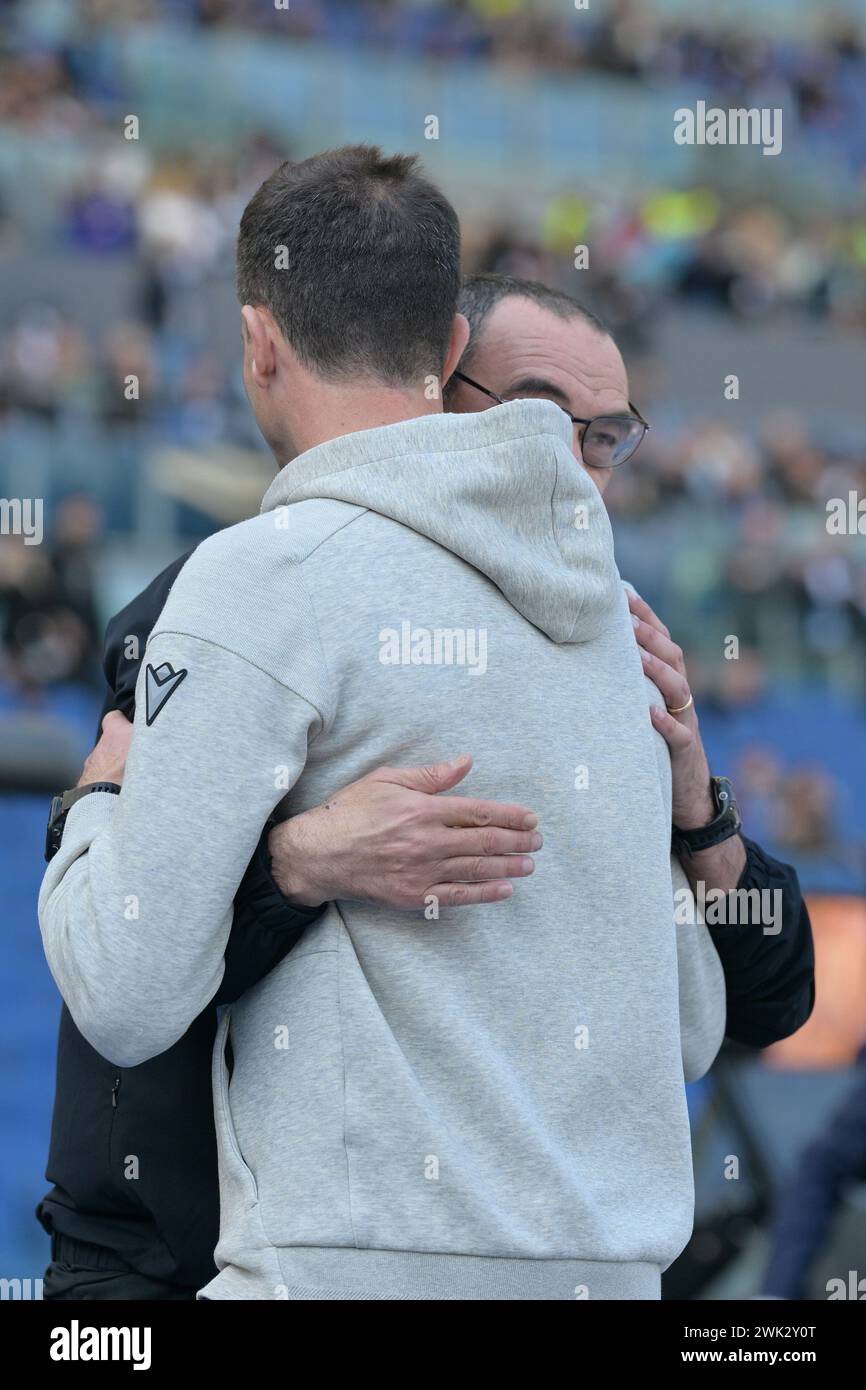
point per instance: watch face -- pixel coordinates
(55, 826)
(727, 803)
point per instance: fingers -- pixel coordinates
(457, 810)
(642, 610)
(478, 868)
(677, 735)
(654, 641)
(664, 663)
(437, 777)
(468, 811)
(489, 880)
(490, 841)
(468, 894)
(674, 687)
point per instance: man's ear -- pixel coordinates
(457, 347)
(259, 346)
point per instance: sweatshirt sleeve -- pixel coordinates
(700, 976)
(136, 907)
(127, 635)
(701, 981)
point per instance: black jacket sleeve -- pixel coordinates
(265, 927)
(769, 978)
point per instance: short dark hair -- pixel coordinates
(481, 293)
(372, 257)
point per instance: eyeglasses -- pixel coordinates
(606, 441)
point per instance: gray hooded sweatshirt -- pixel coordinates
(484, 1104)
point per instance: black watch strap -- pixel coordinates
(725, 824)
(60, 808)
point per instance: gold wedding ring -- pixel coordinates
(681, 708)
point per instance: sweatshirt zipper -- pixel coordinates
(114, 1092)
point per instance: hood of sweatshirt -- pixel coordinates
(501, 489)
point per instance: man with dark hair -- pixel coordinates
(394, 836)
(357, 258)
(408, 1105)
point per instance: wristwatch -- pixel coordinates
(60, 806)
(726, 822)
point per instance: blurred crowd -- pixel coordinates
(819, 75)
(744, 519)
(50, 631)
(722, 524)
(177, 209)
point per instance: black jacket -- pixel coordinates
(164, 1222)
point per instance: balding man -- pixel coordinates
(528, 341)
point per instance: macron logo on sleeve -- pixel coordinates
(160, 683)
